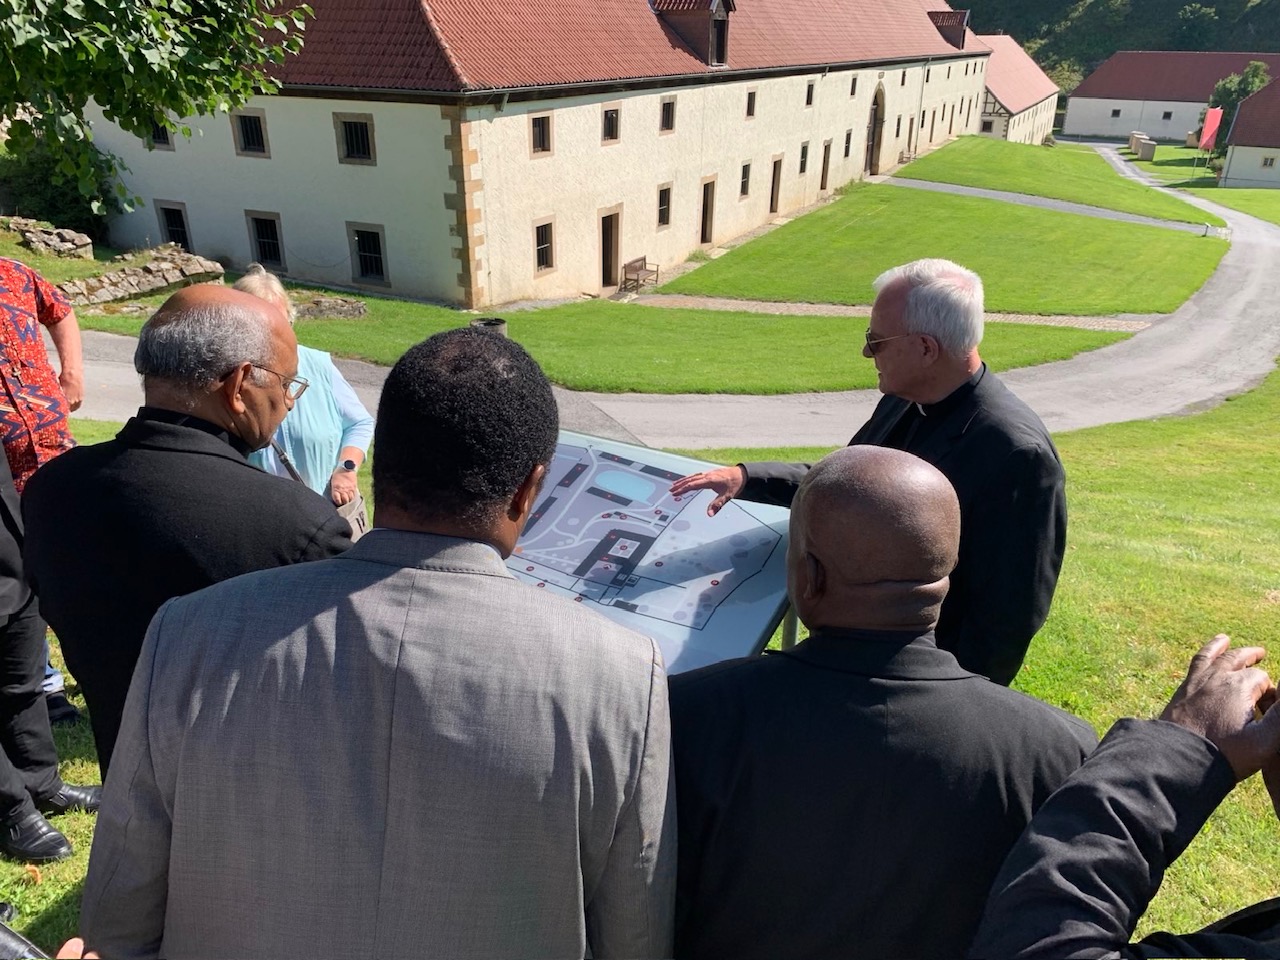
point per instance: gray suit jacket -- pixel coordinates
(402, 751)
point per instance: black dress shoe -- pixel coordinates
(32, 839)
(71, 798)
(62, 712)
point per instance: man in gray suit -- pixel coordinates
(402, 751)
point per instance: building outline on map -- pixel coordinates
(607, 531)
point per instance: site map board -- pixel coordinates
(607, 533)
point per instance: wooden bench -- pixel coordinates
(636, 273)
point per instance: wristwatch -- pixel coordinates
(348, 465)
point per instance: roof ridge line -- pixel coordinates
(454, 65)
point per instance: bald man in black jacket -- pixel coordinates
(855, 796)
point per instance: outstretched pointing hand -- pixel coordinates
(1219, 699)
(726, 483)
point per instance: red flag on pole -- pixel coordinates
(1212, 121)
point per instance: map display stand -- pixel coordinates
(607, 533)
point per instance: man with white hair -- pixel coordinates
(171, 505)
(943, 404)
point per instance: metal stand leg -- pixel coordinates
(790, 627)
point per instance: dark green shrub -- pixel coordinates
(31, 186)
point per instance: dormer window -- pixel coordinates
(719, 42)
(702, 24)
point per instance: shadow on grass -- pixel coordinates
(58, 921)
(75, 740)
(1179, 162)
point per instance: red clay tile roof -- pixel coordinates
(1257, 122)
(1013, 77)
(463, 45)
(1177, 75)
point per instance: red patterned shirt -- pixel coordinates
(33, 408)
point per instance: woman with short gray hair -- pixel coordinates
(323, 440)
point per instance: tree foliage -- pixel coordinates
(1230, 91)
(1069, 38)
(144, 62)
(1197, 28)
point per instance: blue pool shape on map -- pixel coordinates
(625, 485)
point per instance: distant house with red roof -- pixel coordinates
(1020, 101)
(1162, 93)
(1253, 143)
(483, 152)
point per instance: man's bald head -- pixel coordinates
(204, 331)
(874, 536)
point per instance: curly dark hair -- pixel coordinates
(464, 416)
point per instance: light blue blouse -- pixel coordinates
(328, 417)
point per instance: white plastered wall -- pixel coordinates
(1089, 117)
(1031, 125)
(303, 181)
(1243, 167)
(583, 178)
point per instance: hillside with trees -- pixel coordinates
(1071, 37)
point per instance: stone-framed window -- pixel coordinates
(667, 115)
(541, 143)
(161, 138)
(266, 238)
(544, 245)
(174, 226)
(611, 123)
(354, 135)
(249, 131)
(368, 245)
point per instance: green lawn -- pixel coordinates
(1064, 172)
(1260, 202)
(1032, 261)
(1173, 165)
(1174, 536)
(615, 347)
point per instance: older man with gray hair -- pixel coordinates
(171, 505)
(943, 404)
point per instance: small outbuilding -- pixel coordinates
(1160, 92)
(1253, 144)
(1020, 100)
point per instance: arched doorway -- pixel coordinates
(875, 133)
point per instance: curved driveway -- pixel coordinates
(1221, 342)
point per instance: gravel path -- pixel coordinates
(1063, 206)
(1129, 323)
